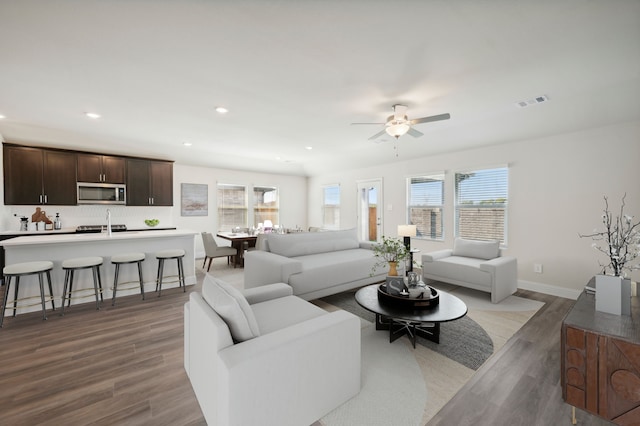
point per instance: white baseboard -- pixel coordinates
(568, 293)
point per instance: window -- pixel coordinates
(232, 207)
(481, 204)
(265, 205)
(331, 207)
(425, 199)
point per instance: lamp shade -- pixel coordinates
(407, 230)
(397, 129)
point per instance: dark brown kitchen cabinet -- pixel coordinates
(96, 168)
(149, 183)
(34, 176)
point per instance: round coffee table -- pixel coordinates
(424, 322)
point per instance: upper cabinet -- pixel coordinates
(39, 176)
(98, 168)
(149, 182)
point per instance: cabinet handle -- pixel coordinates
(40, 198)
(45, 199)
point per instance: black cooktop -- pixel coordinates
(83, 229)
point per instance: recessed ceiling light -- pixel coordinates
(2, 117)
(187, 144)
(308, 148)
(92, 115)
(222, 110)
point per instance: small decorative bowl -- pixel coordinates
(151, 222)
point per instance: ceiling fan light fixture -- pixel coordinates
(397, 129)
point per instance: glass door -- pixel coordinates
(370, 208)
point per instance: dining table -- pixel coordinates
(240, 241)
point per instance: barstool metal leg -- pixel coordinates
(141, 280)
(44, 309)
(100, 284)
(95, 285)
(181, 275)
(15, 295)
(115, 284)
(70, 271)
(159, 276)
(67, 273)
(4, 302)
(53, 306)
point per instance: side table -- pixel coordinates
(600, 361)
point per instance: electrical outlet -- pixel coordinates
(537, 268)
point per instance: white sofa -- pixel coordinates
(315, 264)
(266, 357)
(474, 264)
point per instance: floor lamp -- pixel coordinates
(408, 231)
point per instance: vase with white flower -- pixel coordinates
(619, 241)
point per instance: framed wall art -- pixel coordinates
(194, 199)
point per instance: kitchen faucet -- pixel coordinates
(108, 222)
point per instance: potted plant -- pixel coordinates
(389, 252)
(620, 242)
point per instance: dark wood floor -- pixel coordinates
(124, 365)
(520, 385)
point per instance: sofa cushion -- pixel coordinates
(229, 303)
(463, 269)
(283, 312)
(478, 249)
(321, 271)
(305, 243)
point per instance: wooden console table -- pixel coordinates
(600, 358)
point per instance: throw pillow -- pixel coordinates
(231, 305)
(478, 249)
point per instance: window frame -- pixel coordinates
(256, 210)
(335, 225)
(220, 207)
(482, 204)
(439, 176)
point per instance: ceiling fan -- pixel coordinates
(399, 124)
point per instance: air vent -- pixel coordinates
(537, 100)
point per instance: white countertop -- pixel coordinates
(53, 237)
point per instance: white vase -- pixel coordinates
(613, 295)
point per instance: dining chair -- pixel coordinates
(212, 249)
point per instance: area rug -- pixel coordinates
(406, 386)
(463, 340)
(443, 370)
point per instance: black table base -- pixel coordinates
(398, 328)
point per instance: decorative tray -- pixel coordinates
(406, 302)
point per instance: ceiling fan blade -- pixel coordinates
(413, 132)
(377, 135)
(399, 112)
(430, 119)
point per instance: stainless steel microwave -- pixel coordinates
(101, 193)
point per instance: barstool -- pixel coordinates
(27, 268)
(121, 259)
(70, 266)
(177, 254)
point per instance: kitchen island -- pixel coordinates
(58, 247)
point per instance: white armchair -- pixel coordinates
(474, 264)
(301, 363)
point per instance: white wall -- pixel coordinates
(556, 189)
(292, 192)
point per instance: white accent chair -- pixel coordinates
(266, 357)
(474, 264)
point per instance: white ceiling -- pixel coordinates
(297, 73)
